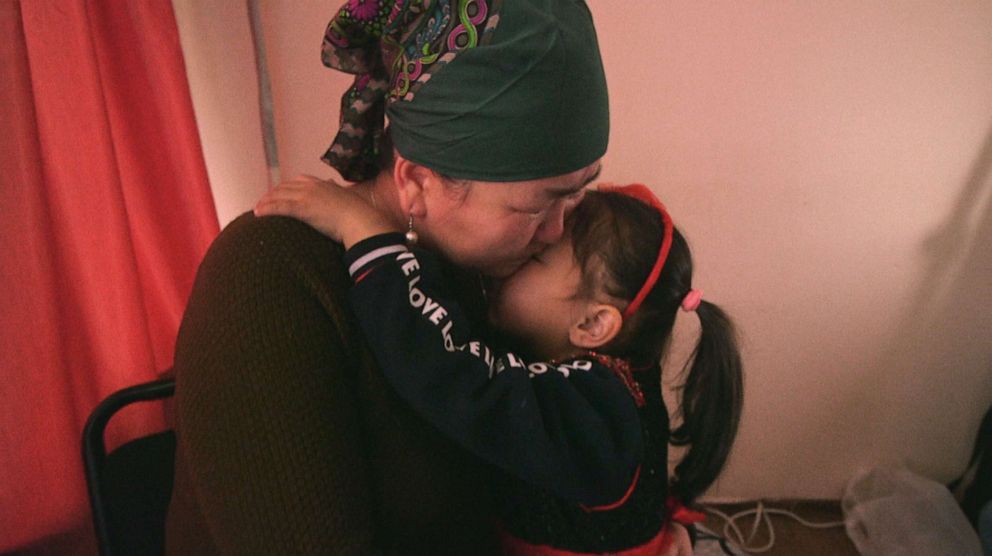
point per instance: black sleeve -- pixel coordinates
(571, 427)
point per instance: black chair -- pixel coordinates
(130, 487)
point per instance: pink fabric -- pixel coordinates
(512, 546)
(679, 513)
(105, 213)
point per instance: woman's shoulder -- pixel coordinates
(272, 238)
(272, 233)
(270, 249)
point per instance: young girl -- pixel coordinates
(574, 418)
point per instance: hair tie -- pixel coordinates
(692, 300)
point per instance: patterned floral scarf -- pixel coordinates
(393, 47)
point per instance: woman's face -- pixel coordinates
(497, 227)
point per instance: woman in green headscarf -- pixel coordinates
(289, 439)
(497, 111)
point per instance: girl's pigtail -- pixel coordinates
(712, 397)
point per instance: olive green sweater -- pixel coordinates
(289, 439)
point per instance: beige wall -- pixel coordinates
(220, 65)
(830, 164)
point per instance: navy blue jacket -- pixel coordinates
(570, 432)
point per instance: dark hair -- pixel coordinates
(384, 148)
(616, 239)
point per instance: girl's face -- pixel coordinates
(539, 303)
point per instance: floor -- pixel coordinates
(791, 537)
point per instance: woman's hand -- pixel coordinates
(339, 213)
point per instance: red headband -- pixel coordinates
(643, 194)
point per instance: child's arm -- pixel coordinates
(572, 427)
(335, 211)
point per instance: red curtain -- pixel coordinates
(105, 213)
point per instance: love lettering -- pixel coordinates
(437, 315)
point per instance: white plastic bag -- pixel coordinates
(891, 511)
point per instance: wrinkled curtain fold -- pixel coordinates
(105, 213)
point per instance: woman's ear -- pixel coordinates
(413, 182)
(599, 324)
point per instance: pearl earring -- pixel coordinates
(411, 236)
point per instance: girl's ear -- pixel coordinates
(413, 183)
(597, 327)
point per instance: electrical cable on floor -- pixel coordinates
(732, 532)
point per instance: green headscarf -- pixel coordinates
(493, 90)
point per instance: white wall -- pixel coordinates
(830, 164)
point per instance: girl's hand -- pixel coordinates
(338, 213)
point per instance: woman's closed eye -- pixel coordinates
(571, 199)
(531, 211)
